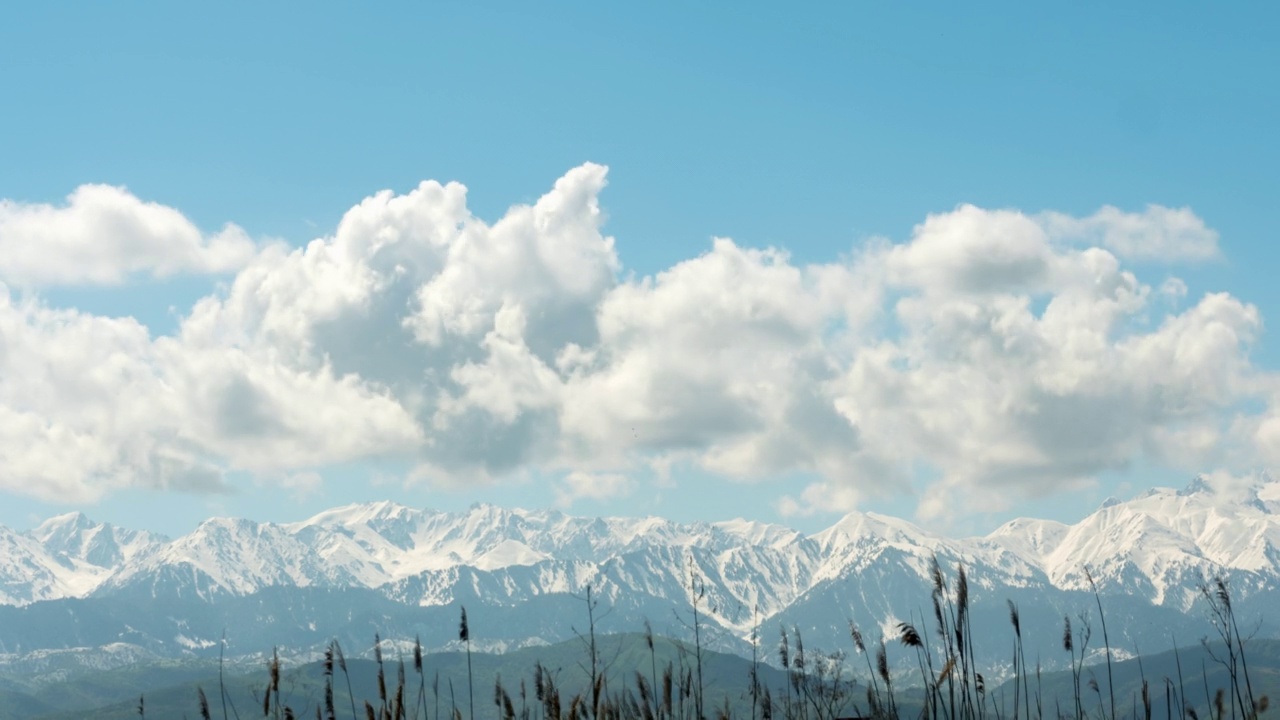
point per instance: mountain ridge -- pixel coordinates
(379, 543)
(1148, 555)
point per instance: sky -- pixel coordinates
(952, 263)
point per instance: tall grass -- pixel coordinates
(817, 686)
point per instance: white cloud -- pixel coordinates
(721, 359)
(972, 250)
(1173, 289)
(1002, 399)
(1020, 366)
(82, 410)
(91, 404)
(262, 415)
(104, 234)
(997, 354)
(549, 255)
(1268, 439)
(1156, 233)
(579, 485)
(1263, 430)
(302, 485)
(822, 496)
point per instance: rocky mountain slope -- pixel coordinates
(348, 572)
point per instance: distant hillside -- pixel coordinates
(1200, 679)
(171, 691)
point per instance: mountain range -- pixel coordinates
(77, 593)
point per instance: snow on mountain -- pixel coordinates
(79, 539)
(1149, 544)
(1029, 537)
(66, 556)
(1148, 552)
(28, 573)
(1160, 544)
(237, 556)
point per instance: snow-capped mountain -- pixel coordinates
(66, 556)
(363, 568)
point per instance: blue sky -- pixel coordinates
(822, 131)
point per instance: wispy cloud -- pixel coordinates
(579, 485)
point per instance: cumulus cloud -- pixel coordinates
(1023, 366)
(989, 356)
(971, 250)
(721, 359)
(91, 404)
(104, 234)
(82, 411)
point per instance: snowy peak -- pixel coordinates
(363, 514)
(77, 539)
(1248, 493)
(1031, 538)
(1197, 486)
(1148, 556)
(758, 533)
(1159, 543)
(65, 556)
(62, 526)
(857, 528)
(1156, 545)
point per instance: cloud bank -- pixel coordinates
(991, 355)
